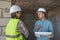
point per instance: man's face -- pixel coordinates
(41, 15)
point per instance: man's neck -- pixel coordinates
(42, 19)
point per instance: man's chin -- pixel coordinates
(40, 18)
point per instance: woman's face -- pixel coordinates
(18, 14)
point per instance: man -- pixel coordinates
(15, 28)
(43, 25)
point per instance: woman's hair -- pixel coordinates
(13, 15)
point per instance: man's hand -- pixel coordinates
(50, 36)
(37, 27)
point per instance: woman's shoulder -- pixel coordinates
(21, 22)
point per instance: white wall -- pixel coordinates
(4, 16)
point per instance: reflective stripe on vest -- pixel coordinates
(13, 36)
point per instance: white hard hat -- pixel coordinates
(15, 8)
(42, 10)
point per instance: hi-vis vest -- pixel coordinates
(11, 30)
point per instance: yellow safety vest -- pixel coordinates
(11, 30)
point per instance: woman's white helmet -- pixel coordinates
(41, 10)
(15, 8)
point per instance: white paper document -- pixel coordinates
(37, 34)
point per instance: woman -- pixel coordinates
(15, 28)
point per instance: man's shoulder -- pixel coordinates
(48, 21)
(38, 21)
